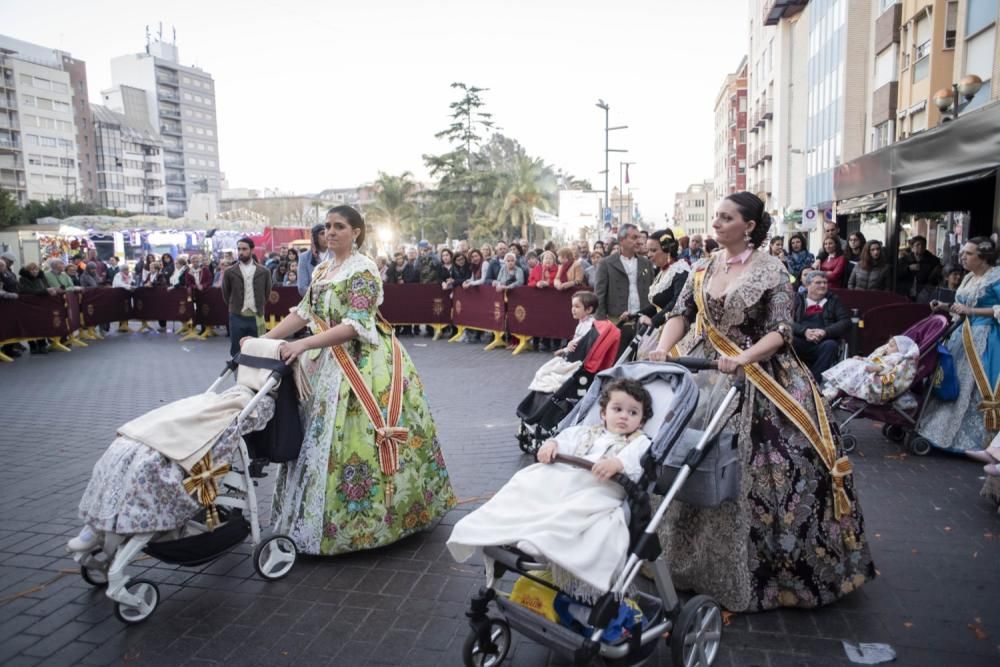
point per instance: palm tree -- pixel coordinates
(529, 184)
(394, 202)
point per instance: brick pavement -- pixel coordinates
(936, 543)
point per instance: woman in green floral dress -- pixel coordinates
(335, 497)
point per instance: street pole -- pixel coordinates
(601, 104)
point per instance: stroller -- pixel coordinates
(212, 530)
(900, 417)
(540, 412)
(676, 453)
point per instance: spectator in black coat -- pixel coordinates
(821, 322)
(919, 271)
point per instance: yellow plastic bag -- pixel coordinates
(536, 597)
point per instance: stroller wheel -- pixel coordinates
(920, 446)
(697, 634)
(149, 597)
(274, 557)
(893, 432)
(848, 442)
(94, 571)
(473, 654)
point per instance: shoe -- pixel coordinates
(980, 455)
(85, 541)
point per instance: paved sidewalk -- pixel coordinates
(936, 542)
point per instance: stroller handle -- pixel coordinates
(696, 363)
(633, 490)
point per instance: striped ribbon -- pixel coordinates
(990, 405)
(820, 438)
(388, 436)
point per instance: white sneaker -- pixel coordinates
(85, 541)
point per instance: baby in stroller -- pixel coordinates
(176, 484)
(878, 378)
(572, 517)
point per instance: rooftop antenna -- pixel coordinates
(175, 35)
(161, 31)
(147, 39)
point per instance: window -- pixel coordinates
(65, 143)
(28, 100)
(980, 13)
(35, 160)
(43, 103)
(50, 161)
(43, 84)
(742, 137)
(26, 80)
(60, 87)
(918, 121)
(188, 97)
(885, 4)
(950, 24)
(62, 107)
(979, 60)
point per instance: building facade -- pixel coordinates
(130, 169)
(731, 135)
(776, 90)
(44, 143)
(181, 103)
(837, 92)
(691, 208)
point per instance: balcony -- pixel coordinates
(164, 95)
(764, 185)
(170, 113)
(775, 10)
(177, 195)
(10, 142)
(167, 79)
(766, 110)
(171, 178)
(764, 151)
(170, 129)
(7, 103)
(12, 183)
(7, 82)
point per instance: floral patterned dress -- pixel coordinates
(779, 544)
(335, 498)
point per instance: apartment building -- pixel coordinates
(691, 208)
(731, 135)
(130, 164)
(46, 139)
(181, 103)
(777, 102)
(837, 84)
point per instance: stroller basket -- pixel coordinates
(567, 642)
(714, 480)
(205, 547)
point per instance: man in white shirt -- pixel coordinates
(245, 287)
(622, 284)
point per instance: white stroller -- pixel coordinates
(155, 514)
(677, 453)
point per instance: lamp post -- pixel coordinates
(947, 98)
(621, 193)
(601, 104)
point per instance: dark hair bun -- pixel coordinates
(752, 208)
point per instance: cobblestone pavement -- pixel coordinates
(935, 541)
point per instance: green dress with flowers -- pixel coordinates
(335, 498)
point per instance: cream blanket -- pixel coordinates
(564, 513)
(553, 374)
(185, 430)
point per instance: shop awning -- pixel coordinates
(947, 182)
(967, 146)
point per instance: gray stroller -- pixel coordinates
(676, 454)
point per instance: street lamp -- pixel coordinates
(621, 192)
(601, 104)
(946, 98)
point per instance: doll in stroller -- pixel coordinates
(177, 483)
(608, 544)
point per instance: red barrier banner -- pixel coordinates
(104, 305)
(479, 307)
(210, 308)
(865, 300)
(280, 301)
(416, 304)
(540, 312)
(161, 303)
(879, 324)
(72, 311)
(31, 316)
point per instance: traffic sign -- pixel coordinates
(607, 214)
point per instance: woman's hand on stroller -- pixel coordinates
(289, 351)
(607, 468)
(645, 321)
(731, 364)
(658, 355)
(547, 452)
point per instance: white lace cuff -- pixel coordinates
(996, 313)
(366, 333)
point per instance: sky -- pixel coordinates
(313, 95)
